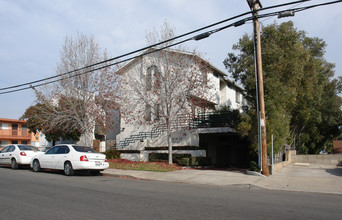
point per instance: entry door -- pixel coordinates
(14, 129)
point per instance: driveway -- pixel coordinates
(305, 177)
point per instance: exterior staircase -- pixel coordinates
(205, 120)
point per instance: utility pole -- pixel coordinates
(255, 5)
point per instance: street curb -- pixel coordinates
(120, 175)
(254, 173)
(301, 164)
(255, 186)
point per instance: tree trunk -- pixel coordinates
(169, 142)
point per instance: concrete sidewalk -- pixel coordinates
(305, 177)
(296, 177)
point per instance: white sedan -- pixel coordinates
(69, 157)
(17, 154)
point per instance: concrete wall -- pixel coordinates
(288, 160)
(333, 159)
(143, 156)
(291, 157)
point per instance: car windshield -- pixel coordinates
(84, 149)
(27, 147)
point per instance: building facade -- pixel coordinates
(198, 130)
(14, 131)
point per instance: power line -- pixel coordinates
(142, 49)
(197, 37)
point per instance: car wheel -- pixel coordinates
(36, 166)
(68, 170)
(14, 164)
(95, 172)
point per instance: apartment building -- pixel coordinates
(14, 131)
(197, 129)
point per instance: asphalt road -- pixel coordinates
(51, 195)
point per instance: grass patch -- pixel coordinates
(142, 166)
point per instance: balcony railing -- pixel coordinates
(205, 120)
(14, 133)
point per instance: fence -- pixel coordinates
(15, 133)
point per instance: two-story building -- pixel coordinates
(199, 130)
(14, 131)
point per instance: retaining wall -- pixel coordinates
(288, 160)
(328, 159)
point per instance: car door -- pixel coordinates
(60, 157)
(47, 160)
(8, 155)
(2, 154)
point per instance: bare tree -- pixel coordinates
(85, 96)
(166, 84)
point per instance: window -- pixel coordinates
(153, 76)
(4, 126)
(205, 78)
(52, 150)
(148, 79)
(148, 112)
(14, 142)
(4, 149)
(11, 148)
(3, 143)
(26, 147)
(14, 129)
(157, 113)
(244, 101)
(238, 97)
(84, 149)
(62, 150)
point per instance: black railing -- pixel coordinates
(205, 120)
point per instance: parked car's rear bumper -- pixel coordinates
(24, 160)
(90, 165)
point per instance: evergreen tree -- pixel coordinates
(301, 95)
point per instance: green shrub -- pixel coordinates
(253, 166)
(195, 161)
(164, 157)
(112, 154)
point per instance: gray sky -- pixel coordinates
(33, 31)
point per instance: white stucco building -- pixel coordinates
(196, 129)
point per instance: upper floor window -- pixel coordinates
(153, 78)
(238, 97)
(157, 112)
(148, 112)
(4, 126)
(205, 78)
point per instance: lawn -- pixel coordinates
(143, 166)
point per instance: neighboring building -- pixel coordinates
(16, 132)
(337, 146)
(202, 133)
(95, 136)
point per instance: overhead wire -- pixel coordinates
(145, 48)
(197, 37)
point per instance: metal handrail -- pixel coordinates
(187, 121)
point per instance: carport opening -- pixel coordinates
(226, 150)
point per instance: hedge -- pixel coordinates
(112, 154)
(164, 157)
(195, 161)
